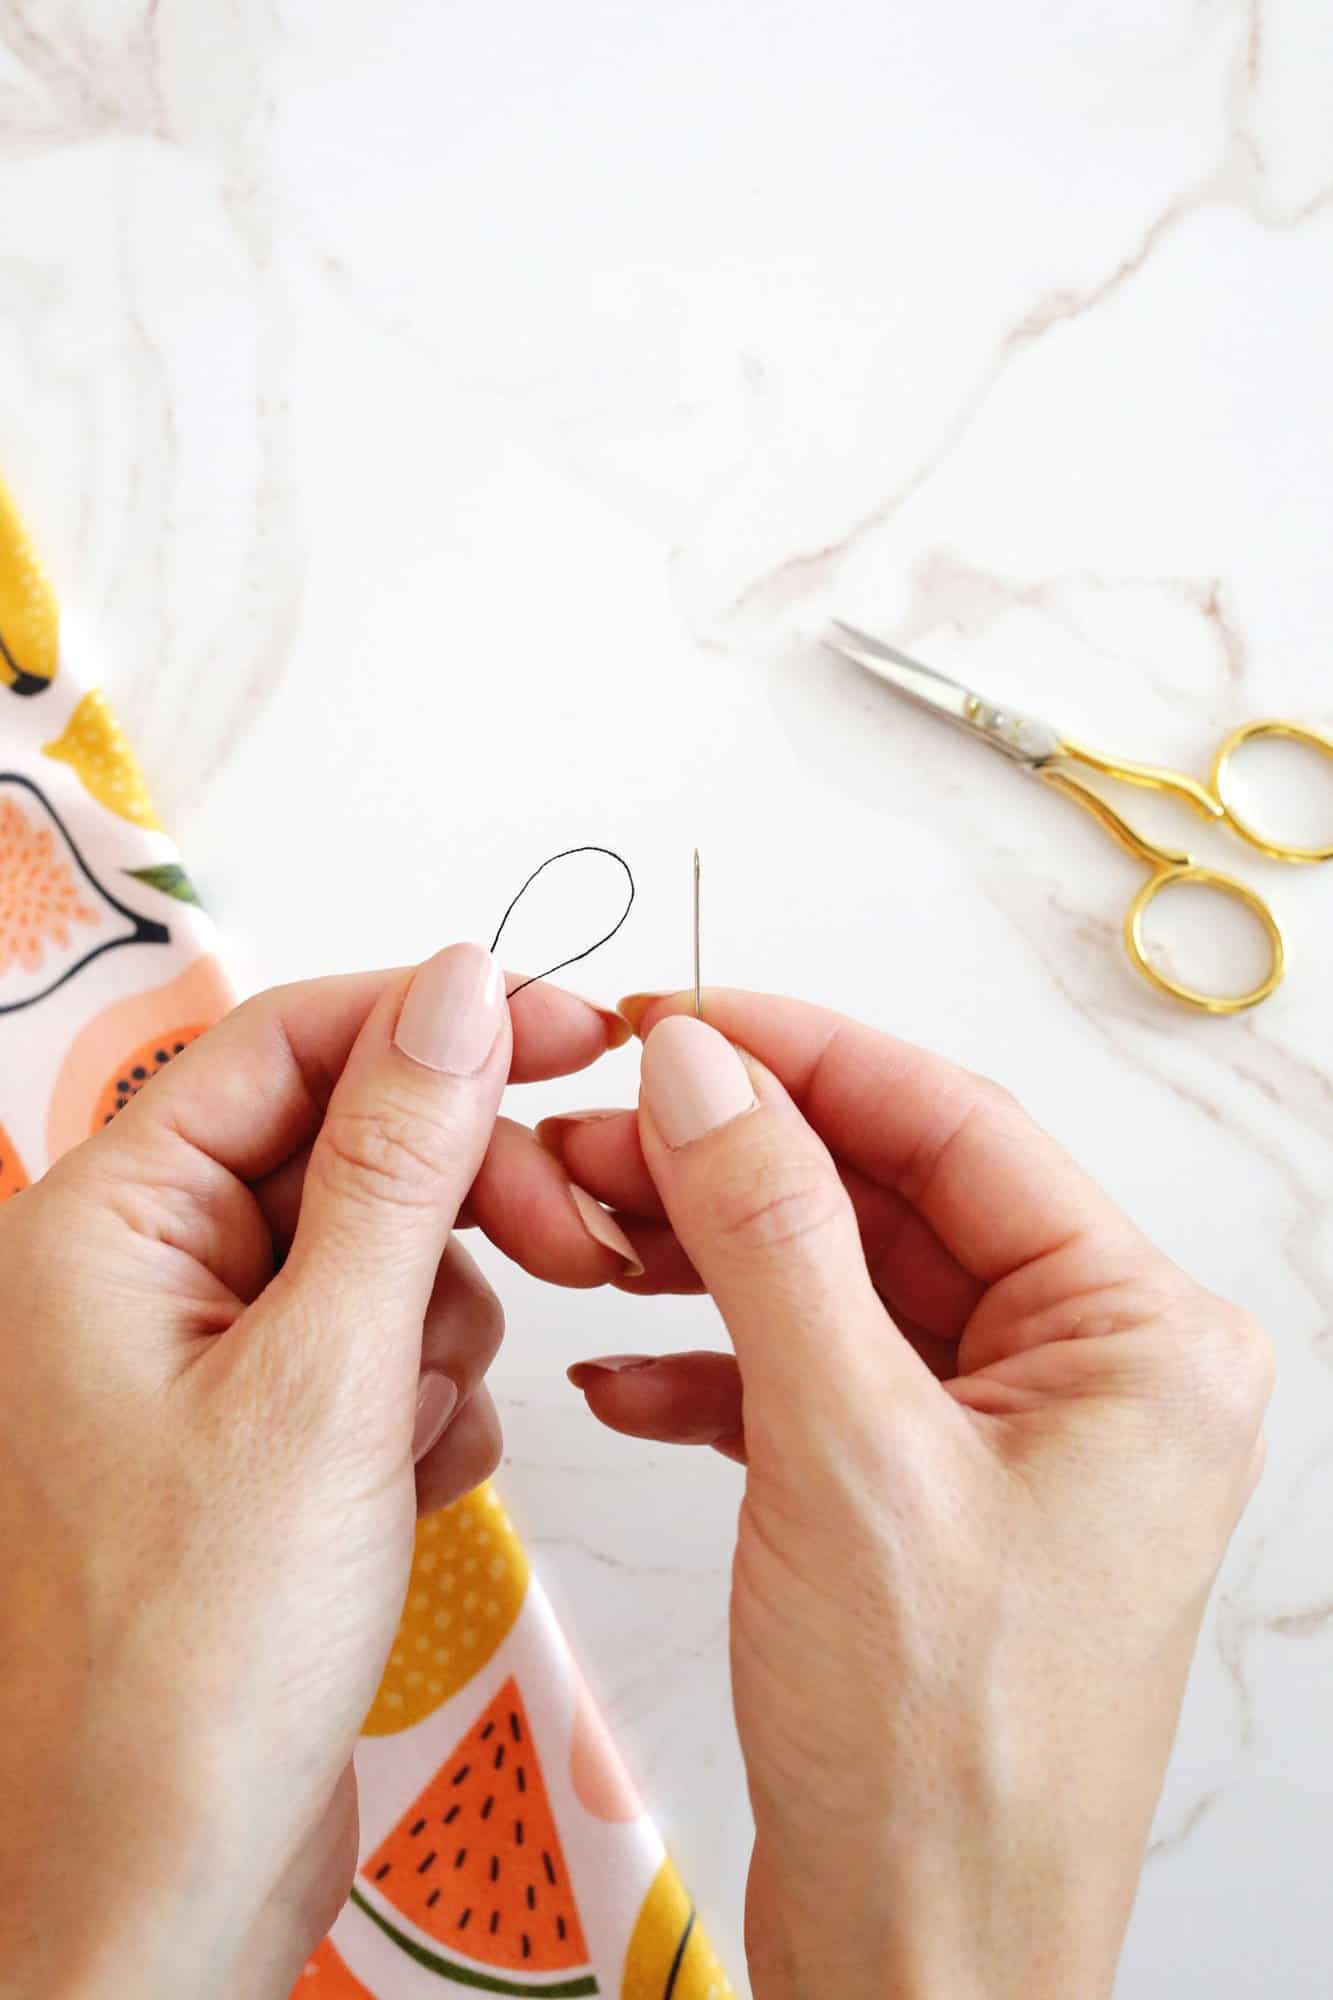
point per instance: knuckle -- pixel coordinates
(491, 1323)
(391, 1154)
(475, 1446)
(35, 1233)
(996, 1097)
(771, 1203)
(465, 1308)
(979, 1102)
(491, 1447)
(485, 1325)
(257, 1007)
(1229, 1375)
(1251, 1366)
(1254, 1465)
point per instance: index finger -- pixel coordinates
(253, 1090)
(996, 1189)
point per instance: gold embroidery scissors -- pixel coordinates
(1045, 753)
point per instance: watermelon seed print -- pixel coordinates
(476, 1864)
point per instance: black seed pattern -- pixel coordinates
(489, 1914)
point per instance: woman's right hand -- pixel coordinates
(996, 1444)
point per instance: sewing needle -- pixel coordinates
(698, 996)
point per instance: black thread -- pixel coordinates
(564, 855)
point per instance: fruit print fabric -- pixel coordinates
(120, 1048)
(476, 1861)
(13, 1175)
(40, 899)
(108, 971)
(469, 1576)
(327, 1977)
(94, 747)
(56, 915)
(29, 620)
(668, 1957)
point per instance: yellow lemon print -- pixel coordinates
(669, 1956)
(29, 618)
(94, 746)
(469, 1577)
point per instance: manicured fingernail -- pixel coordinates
(618, 1031)
(693, 1080)
(603, 1228)
(635, 1005)
(551, 1131)
(437, 1398)
(584, 1372)
(453, 1010)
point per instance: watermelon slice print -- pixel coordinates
(326, 1977)
(476, 1864)
(13, 1178)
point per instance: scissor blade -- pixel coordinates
(917, 682)
(1022, 737)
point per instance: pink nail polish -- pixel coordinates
(453, 1010)
(551, 1131)
(693, 1080)
(609, 1364)
(635, 1005)
(437, 1399)
(618, 1029)
(603, 1228)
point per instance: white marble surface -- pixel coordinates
(442, 420)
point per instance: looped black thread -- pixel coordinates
(564, 855)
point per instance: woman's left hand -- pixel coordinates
(240, 1350)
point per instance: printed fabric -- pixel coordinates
(503, 1848)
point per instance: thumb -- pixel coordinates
(405, 1131)
(757, 1204)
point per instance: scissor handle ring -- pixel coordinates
(1225, 885)
(1315, 739)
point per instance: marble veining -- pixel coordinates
(445, 431)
